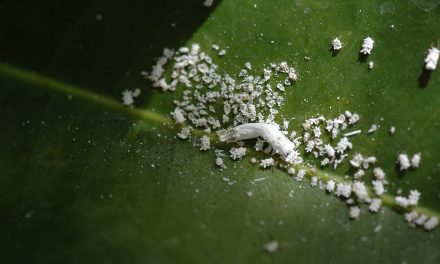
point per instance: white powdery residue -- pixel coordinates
(361, 191)
(367, 46)
(205, 143)
(208, 3)
(237, 153)
(349, 134)
(415, 160)
(372, 129)
(300, 175)
(354, 212)
(336, 44)
(330, 186)
(379, 174)
(431, 59)
(375, 205)
(378, 187)
(343, 189)
(266, 163)
(314, 181)
(158, 69)
(184, 133)
(272, 246)
(431, 223)
(403, 161)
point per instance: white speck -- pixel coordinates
(249, 194)
(354, 212)
(253, 160)
(215, 47)
(367, 46)
(352, 133)
(259, 179)
(248, 65)
(219, 162)
(98, 17)
(337, 44)
(370, 65)
(392, 130)
(330, 187)
(271, 247)
(222, 52)
(432, 58)
(372, 129)
(291, 171)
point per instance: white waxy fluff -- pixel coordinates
(205, 143)
(415, 160)
(337, 44)
(361, 191)
(431, 223)
(403, 161)
(375, 205)
(367, 46)
(270, 133)
(431, 59)
(266, 163)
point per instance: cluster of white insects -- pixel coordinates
(246, 106)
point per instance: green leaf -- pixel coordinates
(85, 180)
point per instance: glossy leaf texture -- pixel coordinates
(81, 183)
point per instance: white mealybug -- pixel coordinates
(237, 153)
(336, 44)
(205, 143)
(432, 58)
(330, 187)
(300, 175)
(403, 161)
(367, 46)
(375, 205)
(354, 212)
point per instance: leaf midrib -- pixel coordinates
(41, 81)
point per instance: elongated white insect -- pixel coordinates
(271, 133)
